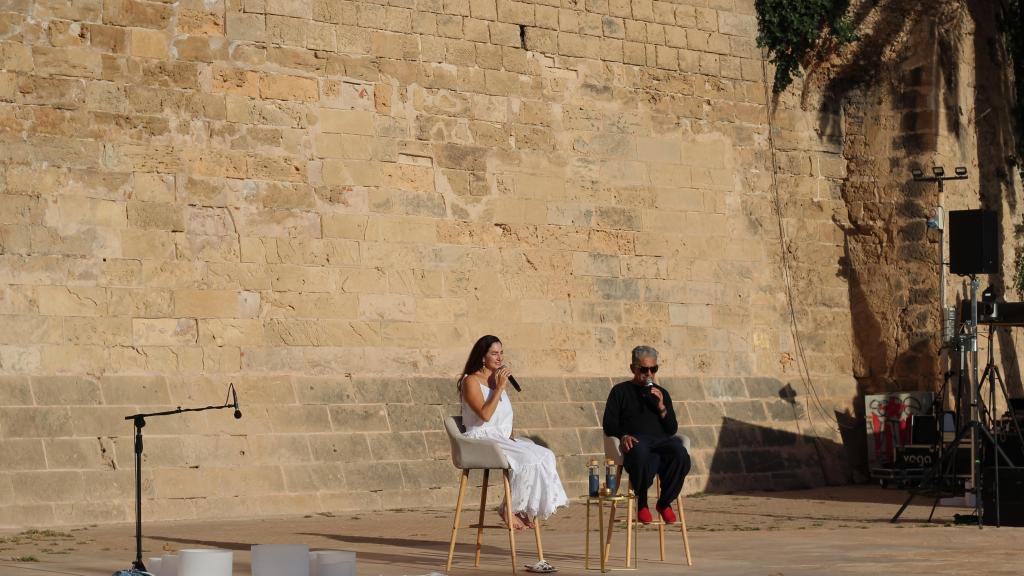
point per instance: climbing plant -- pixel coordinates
(1012, 23)
(792, 29)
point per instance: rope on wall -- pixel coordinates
(805, 374)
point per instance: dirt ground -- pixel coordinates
(839, 531)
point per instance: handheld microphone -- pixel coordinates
(234, 396)
(650, 397)
(512, 380)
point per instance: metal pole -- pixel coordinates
(942, 260)
(944, 348)
(975, 457)
(139, 423)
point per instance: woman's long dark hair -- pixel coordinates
(476, 356)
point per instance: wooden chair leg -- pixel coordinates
(536, 534)
(586, 559)
(629, 531)
(600, 535)
(508, 515)
(661, 525)
(458, 514)
(480, 523)
(682, 527)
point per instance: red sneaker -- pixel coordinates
(667, 515)
(644, 515)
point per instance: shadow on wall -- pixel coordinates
(752, 457)
(993, 98)
(996, 151)
(880, 26)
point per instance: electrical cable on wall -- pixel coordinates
(805, 373)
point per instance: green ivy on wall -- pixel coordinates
(791, 29)
(1012, 22)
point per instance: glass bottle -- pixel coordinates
(609, 476)
(595, 479)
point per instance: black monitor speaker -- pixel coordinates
(973, 242)
(1008, 510)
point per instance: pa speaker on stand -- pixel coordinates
(973, 242)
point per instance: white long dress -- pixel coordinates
(536, 488)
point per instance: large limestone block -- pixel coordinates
(31, 487)
(78, 454)
(397, 446)
(134, 390)
(216, 304)
(380, 475)
(305, 478)
(23, 454)
(347, 448)
(66, 390)
(164, 332)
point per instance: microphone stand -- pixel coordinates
(139, 421)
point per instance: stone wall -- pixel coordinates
(326, 202)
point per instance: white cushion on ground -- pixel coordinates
(204, 562)
(169, 565)
(280, 560)
(333, 563)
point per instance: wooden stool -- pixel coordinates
(613, 451)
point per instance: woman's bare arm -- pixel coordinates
(475, 398)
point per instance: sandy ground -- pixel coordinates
(837, 531)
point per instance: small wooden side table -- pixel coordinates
(604, 541)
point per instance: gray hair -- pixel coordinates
(643, 352)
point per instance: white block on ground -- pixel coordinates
(278, 559)
(205, 562)
(333, 563)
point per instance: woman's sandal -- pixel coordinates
(541, 567)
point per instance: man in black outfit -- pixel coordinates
(639, 412)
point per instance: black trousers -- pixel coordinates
(662, 456)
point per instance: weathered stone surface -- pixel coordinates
(325, 203)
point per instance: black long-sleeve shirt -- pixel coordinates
(630, 411)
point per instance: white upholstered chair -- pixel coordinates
(474, 454)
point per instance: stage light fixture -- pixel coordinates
(938, 171)
(960, 170)
(916, 173)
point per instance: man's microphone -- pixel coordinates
(234, 397)
(648, 387)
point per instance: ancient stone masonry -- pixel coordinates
(326, 202)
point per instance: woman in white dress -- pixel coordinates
(487, 413)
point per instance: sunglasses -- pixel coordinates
(649, 369)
